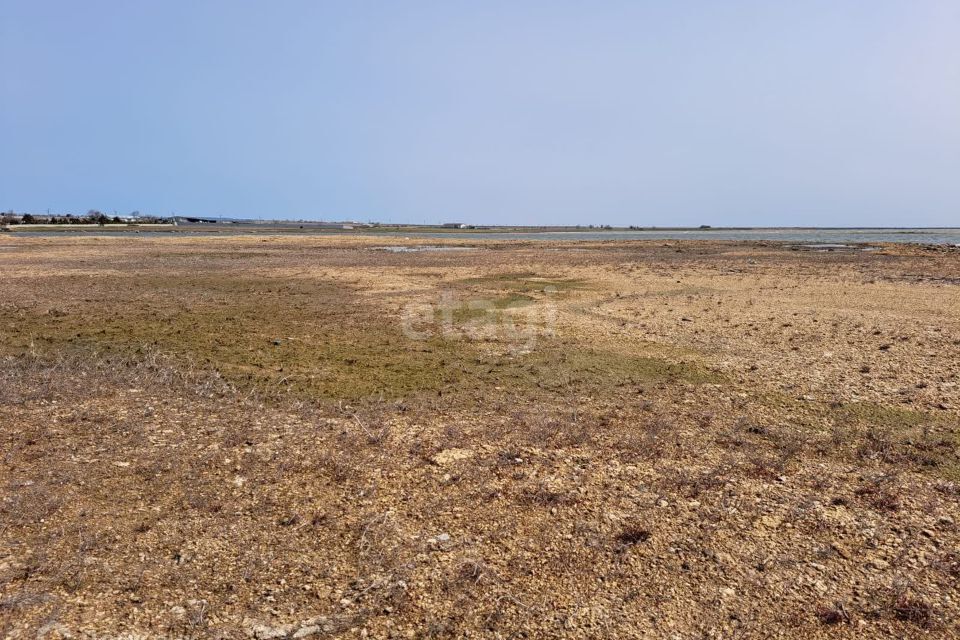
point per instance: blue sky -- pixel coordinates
(648, 113)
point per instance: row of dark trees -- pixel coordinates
(92, 217)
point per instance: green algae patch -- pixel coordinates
(555, 366)
(878, 415)
(485, 310)
(318, 339)
(307, 337)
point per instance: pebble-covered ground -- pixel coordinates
(273, 436)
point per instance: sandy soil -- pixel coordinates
(273, 437)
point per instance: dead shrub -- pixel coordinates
(879, 493)
(912, 609)
(509, 458)
(879, 446)
(762, 465)
(692, 482)
(31, 503)
(949, 563)
(471, 572)
(648, 442)
(704, 419)
(833, 614)
(543, 496)
(630, 536)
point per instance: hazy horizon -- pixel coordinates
(535, 113)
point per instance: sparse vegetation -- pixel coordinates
(235, 437)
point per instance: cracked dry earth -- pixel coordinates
(300, 436)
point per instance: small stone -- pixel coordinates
(443, 537)
(662, 503)
(879, 564)
(304, 632)
(945, 521)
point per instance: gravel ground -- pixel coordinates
(292, 437)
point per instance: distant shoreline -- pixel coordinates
(345, 228)
(823, 237)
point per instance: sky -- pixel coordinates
(814, 113)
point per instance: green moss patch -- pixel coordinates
(313, 338)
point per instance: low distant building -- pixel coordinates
(454, 225)
(194, 220)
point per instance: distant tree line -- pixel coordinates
(92, 217)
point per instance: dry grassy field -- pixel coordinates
(275, 436)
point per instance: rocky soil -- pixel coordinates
(293, 437)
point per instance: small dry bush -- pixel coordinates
(909, 608)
